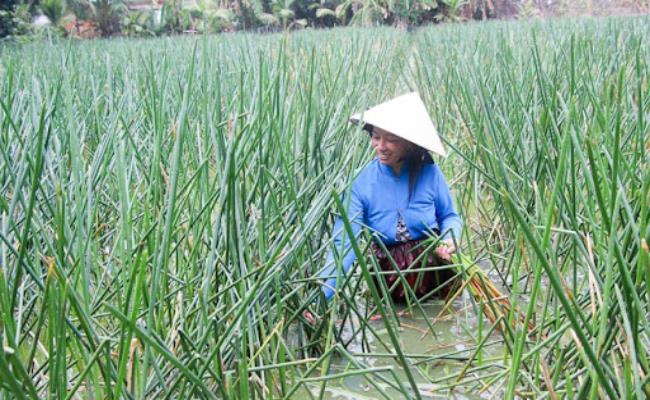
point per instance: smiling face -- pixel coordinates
(390, 149)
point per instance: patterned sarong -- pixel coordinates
(421, 282)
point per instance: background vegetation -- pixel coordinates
(93, 18)
(166, 203)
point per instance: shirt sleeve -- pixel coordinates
(448, 219)
(342, 243)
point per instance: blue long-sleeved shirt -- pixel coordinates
(378, 197)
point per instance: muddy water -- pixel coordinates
(433, 358)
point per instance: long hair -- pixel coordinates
(417, 158)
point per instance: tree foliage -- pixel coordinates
(112, 17)
(8, 21)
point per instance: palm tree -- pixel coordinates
(81, 9)
(367, 12)
(452, 13)
(106, 15)
(215, 18)
(53, 10)
(282, 10)
(9, 24)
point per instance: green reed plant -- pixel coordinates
(154, 212)
(556, 154)
(166, 203)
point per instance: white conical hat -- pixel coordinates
(407, 117)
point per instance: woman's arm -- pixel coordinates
(342, 243)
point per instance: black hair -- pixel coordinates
(417, 159)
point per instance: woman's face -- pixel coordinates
(390, 149)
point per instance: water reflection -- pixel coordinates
(435, 358)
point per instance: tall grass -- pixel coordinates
(166, 204)
(556, 149)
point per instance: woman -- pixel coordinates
(401, 196)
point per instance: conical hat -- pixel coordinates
(407, 117)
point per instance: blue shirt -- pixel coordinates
(378, 197)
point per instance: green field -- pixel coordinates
(166, 203)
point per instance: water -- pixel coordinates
(433, 358)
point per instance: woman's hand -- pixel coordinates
(309, 317)
(445, 250)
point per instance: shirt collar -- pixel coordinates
(389, 171)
